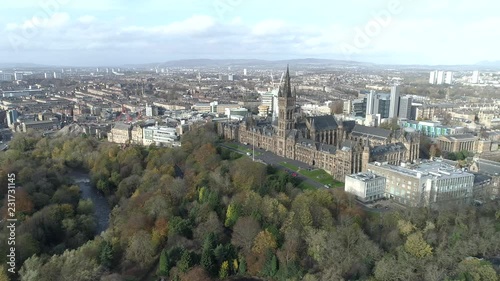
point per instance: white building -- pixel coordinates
(448, 78)
(365, 186)
(270, 99)
(151, 110)
(433, 77)
(440, 78)
(475, 77)
(160, 136)
(394, 103)
(425, 184)
(5, 76)
(18, 76)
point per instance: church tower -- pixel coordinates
(286, 106)
(286, 109)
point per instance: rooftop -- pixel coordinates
(426, 169)
(365, 176)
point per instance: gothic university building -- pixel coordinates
(339, 147)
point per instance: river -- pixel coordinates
(101, 206)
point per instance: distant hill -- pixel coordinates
(489, 64)
(247, 63)
(22, 65)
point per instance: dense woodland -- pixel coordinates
(200, 212)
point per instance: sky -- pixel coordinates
(120, 32)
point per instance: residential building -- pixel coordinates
(448, 78)
(433, 77)
(475, 77)
(440, 77)
(121, 133)
(40, 125)
(18, 76)
(366, 186)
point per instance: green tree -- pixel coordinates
(231, 215)
(417, 246)
(207, 254)
(224, 270)
(185, 262)
(473, 269)
(163, 267)
(106, 255)
(271, 265)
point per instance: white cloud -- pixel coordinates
(434, 39)
(87, 19)
(56, 20)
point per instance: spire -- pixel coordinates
(287, 88)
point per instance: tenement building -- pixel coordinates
(339, 147)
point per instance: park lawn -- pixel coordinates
(289, 166)
(305, 186)
(242, 148)
(317, 175)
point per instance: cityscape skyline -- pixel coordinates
(118, 32)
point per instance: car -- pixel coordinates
(294, 174)
(326, 186)
(249, 154)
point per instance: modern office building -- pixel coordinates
(427, 184)
(405, 107)
(151, 110)
(160, 136)
(394, 105)
(12, 116)
(365, 186)
(431, 129)
(370, 99)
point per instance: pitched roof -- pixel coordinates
(383, 149)
(360, 130)
(326, 122)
